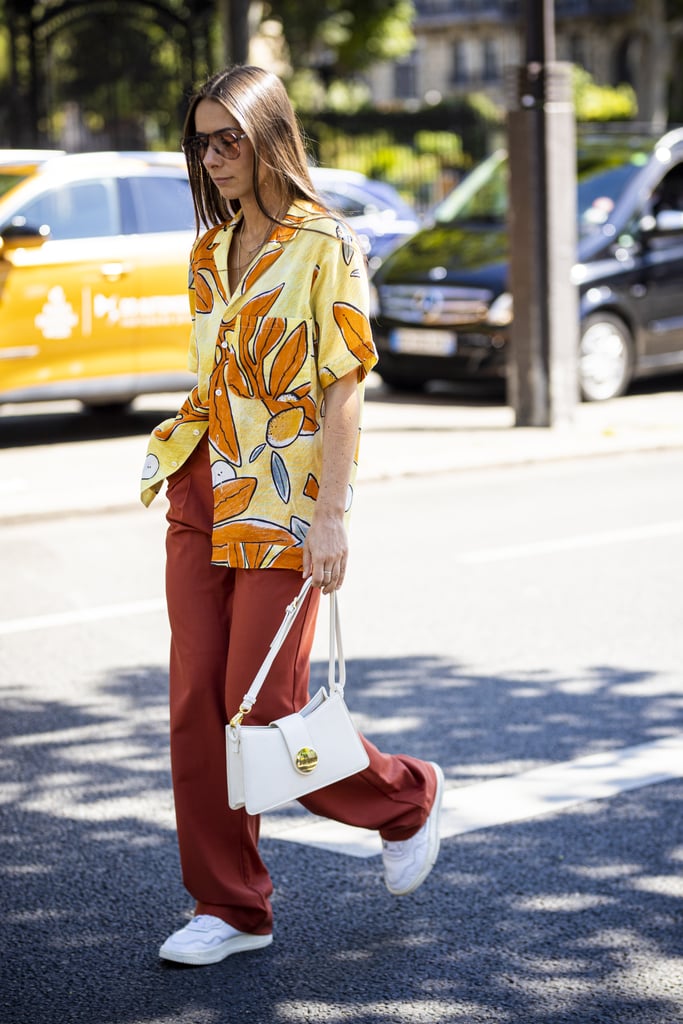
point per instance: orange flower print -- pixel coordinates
(284, 427)
(287, 363)
(243, 376)
(232, 498)
(223, 431)
(248, 374)
(252, 543)
(282, 233)
(191, 411)
(311, 487)
(355, 330)
(206, 273)
(262, 264)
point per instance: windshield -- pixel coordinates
(483, 196)
(598, 193)
(8, 179)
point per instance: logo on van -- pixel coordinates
(57, 318)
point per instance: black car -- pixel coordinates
(442, 302)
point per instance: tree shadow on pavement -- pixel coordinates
(566, 918)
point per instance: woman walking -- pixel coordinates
(260, 461)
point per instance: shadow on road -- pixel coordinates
(555, 920)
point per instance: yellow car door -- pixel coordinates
(158, 212)
(57, 340)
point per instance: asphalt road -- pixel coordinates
(499, 621)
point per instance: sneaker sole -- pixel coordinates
(434, 836)
(236, 944)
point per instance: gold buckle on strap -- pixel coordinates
(239, 717)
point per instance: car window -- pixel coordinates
(157, 204)
(9, 180)
(597, 194)
(79, 209)
(482, 196)
(347, 205)
(669, 193)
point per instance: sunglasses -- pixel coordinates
(225, 142)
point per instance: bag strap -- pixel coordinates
(336, 671)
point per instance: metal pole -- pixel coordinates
(542, 384)
(234, 21)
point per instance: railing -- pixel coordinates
(511, 10)
(461, 10)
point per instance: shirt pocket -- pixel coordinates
(272, 358)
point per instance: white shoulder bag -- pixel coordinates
(269, 765)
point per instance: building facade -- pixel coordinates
(465, 46)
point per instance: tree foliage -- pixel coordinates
(602, 102)
(344, 36)
(120, 68)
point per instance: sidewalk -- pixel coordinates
(401, 437)
(406, 439)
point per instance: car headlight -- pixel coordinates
(500, 311)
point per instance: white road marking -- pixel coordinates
(546, 790)
(13, 485)
(586, 540)
(77, 616)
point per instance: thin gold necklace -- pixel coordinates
(250, 252)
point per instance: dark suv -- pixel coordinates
(442, 302)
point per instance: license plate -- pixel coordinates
(423, 343)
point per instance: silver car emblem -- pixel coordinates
(429, 302)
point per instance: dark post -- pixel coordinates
(234, 16)
(542, 360)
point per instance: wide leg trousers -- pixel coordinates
(222, 623)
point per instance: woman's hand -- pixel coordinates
(326, 547)
(326, 550)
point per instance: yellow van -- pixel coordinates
(94, 252)
(93, 276)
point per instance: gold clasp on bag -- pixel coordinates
(238, 718)
(306, 760)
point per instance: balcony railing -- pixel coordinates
(510, 10)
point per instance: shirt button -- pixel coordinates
(174, 464)
(224, 344)
(218, 392)
(195, 432)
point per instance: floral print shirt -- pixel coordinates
(297, 321)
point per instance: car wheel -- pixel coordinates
(396, 382)
(107, 408)
(605, 357)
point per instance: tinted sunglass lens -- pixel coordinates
(228, 145)
(194, 145)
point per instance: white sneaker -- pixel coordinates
(407, 863)
(208, 940)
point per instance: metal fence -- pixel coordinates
(422, 154)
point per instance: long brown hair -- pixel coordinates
(259, 101)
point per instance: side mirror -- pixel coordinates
(665, 223)
(20, 235)
(669, 222)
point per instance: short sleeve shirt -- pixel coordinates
(297, 321)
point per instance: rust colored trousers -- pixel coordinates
(222, 623)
